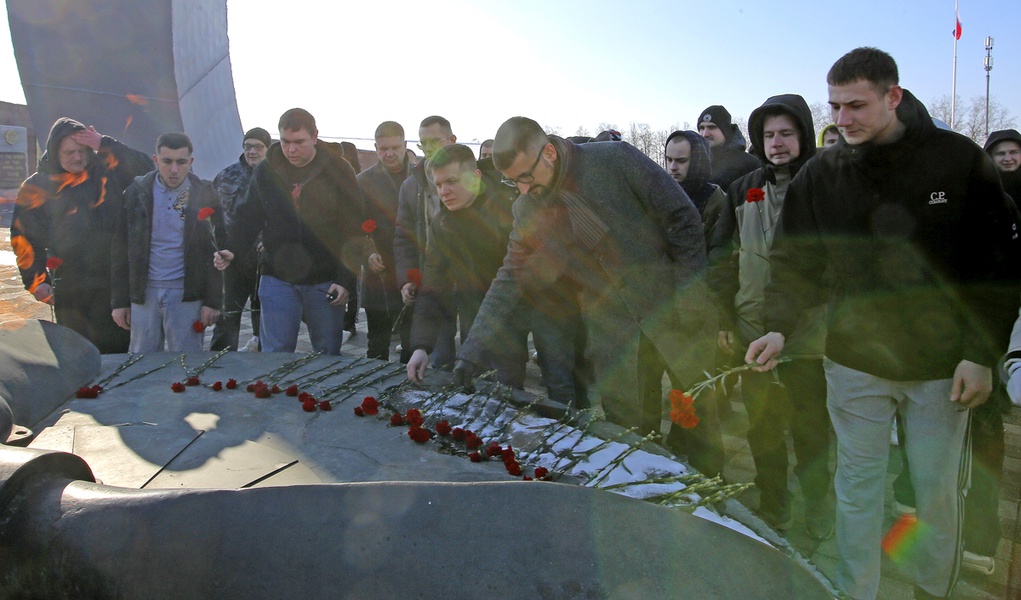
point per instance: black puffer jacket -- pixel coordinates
(72, 218)
(730, 161)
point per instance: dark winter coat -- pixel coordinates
(72, 218)
(379, 290)
(731, 162)
(469, 246)
(618, 227)
(311, 239)
(134, 236)
(231, 185)
(914, 245)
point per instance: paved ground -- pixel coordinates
(1005, 583)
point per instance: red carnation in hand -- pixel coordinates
(368, 225)
(217, 386)
(359, 412)
(52, 263)
(292, 390)
(494, 449)
(415, 277)
(177, 386)
(473, 442)
(682, 409)
(370, 405)
(686, 420)
(397, 419)
(443, 428)
(325, 405)
(192, 381)
(414, 417)
(755, 195)
(205, 213)
(198, 326)
(309, 406)
(458, 434)
(475, 457)
(419, 434)
(513, 468)
(541, 472)
(231, 384)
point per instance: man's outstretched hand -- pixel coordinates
(464, 375)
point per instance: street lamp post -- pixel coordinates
(989, 67)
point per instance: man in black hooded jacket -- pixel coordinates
(67, 211)
(727, 145)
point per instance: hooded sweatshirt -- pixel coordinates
(914, 245)
(708, 198)
(72, 216)
(1011, 179)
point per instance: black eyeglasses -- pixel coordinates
(526, 177)
(432, 142)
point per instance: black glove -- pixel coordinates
(463, 375)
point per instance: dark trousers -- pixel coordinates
(794, 392)
(703, 444)
(982, 529)
(241, 284)
(88, 313)
(560, 343)
(380, 325)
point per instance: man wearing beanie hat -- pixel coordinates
(242, 281)
(781, 131)
(727, 145)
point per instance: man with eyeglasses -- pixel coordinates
(242, 282)
(604, 222)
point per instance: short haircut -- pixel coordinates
(517, 135)
(454, 153)
(296, 119)
(776, 110)
(389, 129)
(487, 144)
(436, 119)
(871, 64)
(174, 141)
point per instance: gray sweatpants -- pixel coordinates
(862, 408)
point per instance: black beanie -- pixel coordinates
(719, 116)
(258, 133)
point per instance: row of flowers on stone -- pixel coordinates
(417, 431)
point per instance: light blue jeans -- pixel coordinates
(165, 319)
(286, 305)
(862, 408)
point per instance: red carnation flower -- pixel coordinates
(443, 428)
(292, 390)
(419, 434)
(415, 277)
(458, 434)
(192, 381)
(507, 454)
(475, 457)
(177, 386)
(303, 396)
(494, 449)
(262, 391)
(217, 386)
(541, 472)
(687, 420)
(88, 392)
(513, 468)
(309, 406)
(251, 386)
(526, 478)
(368, 225)
(325, 405)
(397, 419)
(414, 417)
(370, 405)
(473, 442)
(359, 412)
(198, 326)
(52, 263)
(231, 384)
(679, 399)
(205, 213)
(755, 195)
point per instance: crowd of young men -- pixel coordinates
(873, 275)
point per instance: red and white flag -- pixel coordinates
(957, 27)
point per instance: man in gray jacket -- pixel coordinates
(605, 223)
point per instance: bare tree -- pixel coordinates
(970, 118)
(603, 126)
(821, 115)
(582, 131)
(551, 129)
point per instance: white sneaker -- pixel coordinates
(251, 346)
(903, 509)
(978, 563)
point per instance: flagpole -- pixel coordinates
(953, 87)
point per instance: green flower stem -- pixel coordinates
(619, 461)
(132, 359)
(141, 375)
